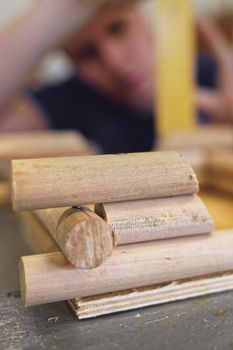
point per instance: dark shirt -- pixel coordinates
(114, 129)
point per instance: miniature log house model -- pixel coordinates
(150, 239)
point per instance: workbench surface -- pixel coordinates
(204, 323)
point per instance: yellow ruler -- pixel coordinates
(175, 108)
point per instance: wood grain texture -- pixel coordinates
(153, 295)
(98, 179)
(85, 239)
(39, 144)
(35, 235)
(152, 219)
(44, 278)
(40, 241)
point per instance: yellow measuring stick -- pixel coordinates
(175, 109)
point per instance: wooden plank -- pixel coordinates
(148, 296)
(152, 219)
(85, 239)
(60, 182)
(40, 144)
(44, 278)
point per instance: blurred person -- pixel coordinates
(109, 99)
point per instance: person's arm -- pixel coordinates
(43, 27)
(218, 103)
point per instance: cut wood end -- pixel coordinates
(89, 244)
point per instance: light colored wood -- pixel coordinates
(154, 295)
(220, 171)
(98, 179)
(222, 184)
(40, 241)
(44, 278)
(220, 207)
(208, 137)
(152, 219)
(35, 234)
(85, 239)
(221, 163)
(174, 25)
(5, 195)
(39, 144)
(213, 7)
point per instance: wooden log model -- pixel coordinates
(130, 266)
(40, 241)
(152, 219)
(85, 239)
(98, 179)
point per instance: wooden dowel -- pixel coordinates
(98, 179)
(220, 171)
(221, 163)
(48, 278)
(35, 234)
(38, 144)
(85, 239)
(152, 219)
(208, 138)
(40, 241)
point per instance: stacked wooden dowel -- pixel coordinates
(36, 144)
(144, 203)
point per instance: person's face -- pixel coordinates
(114, 54)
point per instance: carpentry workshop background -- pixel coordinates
(116, 174)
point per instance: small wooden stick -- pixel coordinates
(38, 144)
(152, 219)
(49, 278)
(99, 179)
(85, 239)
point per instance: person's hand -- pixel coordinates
(218, 103)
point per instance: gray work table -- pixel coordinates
(204, 323)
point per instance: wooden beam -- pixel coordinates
(98, 179)
(85, 239)
(44, 278)
(152, 219)
(40, 144)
